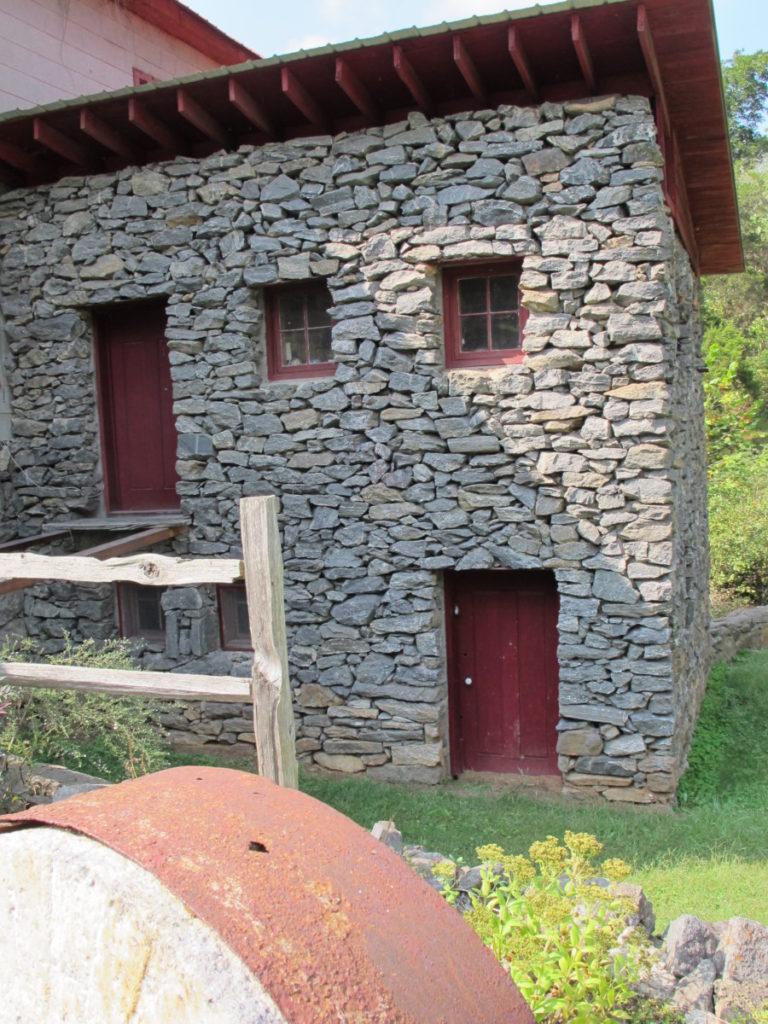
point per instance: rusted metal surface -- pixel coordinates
(336, 927)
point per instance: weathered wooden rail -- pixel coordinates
(261, 567)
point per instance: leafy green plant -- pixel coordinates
(563, 937)
(112, 737)
(738, 511)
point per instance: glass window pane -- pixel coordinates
(291, 312)
(318, 300)
(320, 345)
(243, 626)
(472, 297)
(503, 293)
(504, 331)
(294, 353)
(474, 333)
(148, 611)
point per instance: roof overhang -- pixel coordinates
(565, 51)
(179, 21)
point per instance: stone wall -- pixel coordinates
(745, 629)
(586, 459)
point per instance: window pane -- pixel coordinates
(318, 301)
(291, 312)
(320, 345)
(472, 298)
(503, 293)
(474, 333)
(243, 626)
(293, 348)
(148, 611)
(504, 331)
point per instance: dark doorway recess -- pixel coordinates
(502, 671)
(138, 431)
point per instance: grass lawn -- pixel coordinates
(709, 857)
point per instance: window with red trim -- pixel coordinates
(140, 611)
(483, 317)
(299, 331)
(233, 618)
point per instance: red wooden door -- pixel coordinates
(503, 676)
(138, 428)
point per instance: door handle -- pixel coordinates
(468, 681)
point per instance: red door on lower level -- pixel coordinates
(503, 675)
(138, 428)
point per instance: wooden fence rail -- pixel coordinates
(269, 687)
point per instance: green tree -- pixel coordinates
(745, 80)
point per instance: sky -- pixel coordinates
(287, 25)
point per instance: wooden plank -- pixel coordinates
(520, 60)
(191, 111)
(468, 69)
(273, 722)
(409, 77)
(17, 158)
(348, 82)
(37, 538)
(301, 99)
(582, 52)
(107, 136)
(164, 685)
(648, 47)
(59, 143)
(250, 107)
(141, 118)
(145, 569)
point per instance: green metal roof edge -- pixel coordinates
(398, 36)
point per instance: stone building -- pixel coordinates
(438, 292)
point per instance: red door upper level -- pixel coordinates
(138, 428)
(503, 673)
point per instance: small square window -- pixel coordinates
(483, 317)
(299, 331)
(140, 612)
(233, 618)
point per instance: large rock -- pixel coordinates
(688, 942)
(744, 985)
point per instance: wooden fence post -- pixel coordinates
(273, 722)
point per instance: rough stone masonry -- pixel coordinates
(586, 459)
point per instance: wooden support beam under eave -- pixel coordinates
(250, 107)
(60, 144)
(152, 126)
(468, 69)
(302, 100)
(648, 48)
(197, 116)
(349, 83)
(579, 41)
(520, 60)
(17, 158)
(107, 136)
(409, 77)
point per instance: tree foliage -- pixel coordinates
(735, 310)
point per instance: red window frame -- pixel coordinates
(276, 368)
(455, 358)
(233, 636)
(130, 597)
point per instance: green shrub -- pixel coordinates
(112, 737)
(738, 525)
(563, 939)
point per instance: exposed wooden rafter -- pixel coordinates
(151, 125)
(17, 158)
(60, 144)
(409, 77)
(349, 83)
(583, 54)
(468, 69)
(199, 118)
(648, 48)
(302, 100)
(249, 107)
(520, 60)
(107, 136)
